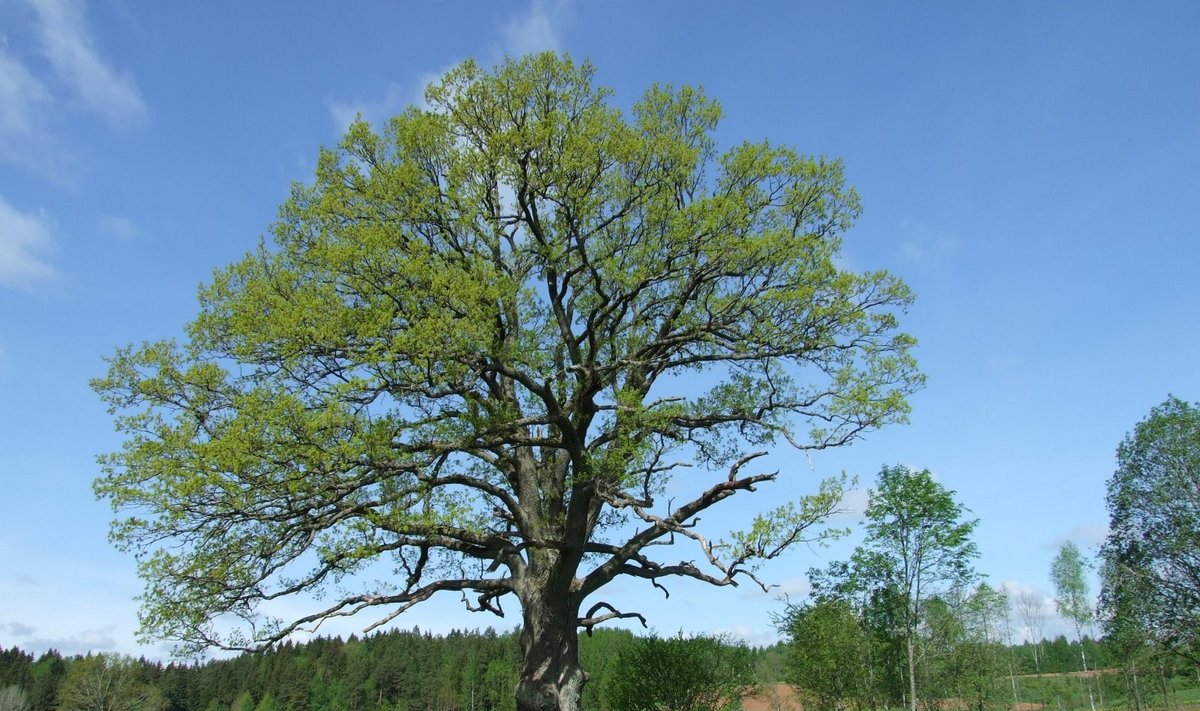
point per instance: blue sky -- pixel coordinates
(1028, 168)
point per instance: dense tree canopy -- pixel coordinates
(829, 655)
(918, 548)
(477, 347)
(1073, 598)
(681, 674)
(920, 544)
(1151, 558)
(107, 682)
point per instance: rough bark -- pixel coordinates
(551, 676)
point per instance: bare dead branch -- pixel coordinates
(588, 621)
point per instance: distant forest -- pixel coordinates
(396, 671)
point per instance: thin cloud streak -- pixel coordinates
(68, 46)
(121, 228)
(535, 31)
(924, 246)
(87, 641)
(25, 240)
(25, 112)
(22, 97)
(1089, 536)
(37, 98)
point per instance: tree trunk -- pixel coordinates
(1086, 680)
(912, 673)
(551, 677)
(1131, 680)
(1012, 679)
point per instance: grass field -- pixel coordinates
(1107, 689)
(1045, 692)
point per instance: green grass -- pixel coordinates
(1067, 693)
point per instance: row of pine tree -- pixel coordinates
(398, 670)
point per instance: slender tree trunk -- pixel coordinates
(551, 677)
(1137, 694)
(1086, 680)
(912, 674)
(1137, 689)
(1012, 679)
(872, 685)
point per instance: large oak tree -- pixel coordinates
(477, 346)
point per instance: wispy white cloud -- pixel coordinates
(1032, 612)
(37, 96)
(1018, 589)
(25, 242)
(22, 97)
(925, 246)
(395, 98)
(344, 113)
(423, 82)
(854, 503)
(1005, 363)
(749, 635)
(122, 228)
(1088, 536)
(17, 629)
(795, 586)
(25, 115)
(535, 31)
(94, 640)
(68, 45)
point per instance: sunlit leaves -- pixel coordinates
(487, 332)
(1150, 579)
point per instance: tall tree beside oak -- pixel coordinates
(1073, 599)
(920, 532)
(829, 654)
(1150, 577)
(14, 698)
(702, 673)
(918, 547)
(984, 613)
(1068, 573)
(477, 348)
(107, 681)
(1031, 607)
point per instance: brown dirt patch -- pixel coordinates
(1089, 673)
(783, 697)
(777, 697)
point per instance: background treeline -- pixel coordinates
(392, 671)
(414, 670)
(908, 622)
